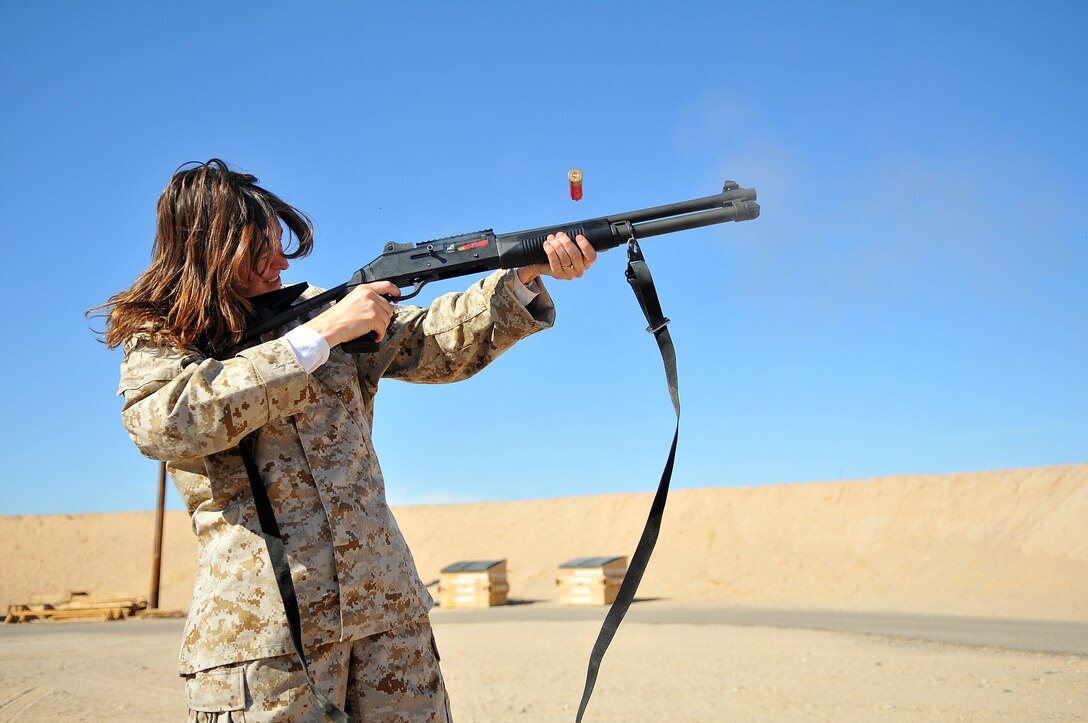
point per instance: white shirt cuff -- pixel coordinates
(309, 346)
(525, 292)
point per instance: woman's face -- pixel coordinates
(269, 265)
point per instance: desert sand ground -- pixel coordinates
(1010, 545)
(499, 670)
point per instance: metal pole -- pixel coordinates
(156, 554)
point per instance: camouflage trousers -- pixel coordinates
(393, 676)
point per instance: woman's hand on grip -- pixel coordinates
(365, 309)
(566, 259)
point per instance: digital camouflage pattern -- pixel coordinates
(393, 676)
(311, 441)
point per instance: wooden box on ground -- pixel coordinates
(590, 580)
(76, 605)
(473, 584)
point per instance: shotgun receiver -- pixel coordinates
(416, 265)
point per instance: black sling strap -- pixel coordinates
(638, 275)
(278, 555)
(266, 305)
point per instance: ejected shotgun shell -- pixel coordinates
(575, 178)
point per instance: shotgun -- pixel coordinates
(416, 265)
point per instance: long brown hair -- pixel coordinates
(212, 227)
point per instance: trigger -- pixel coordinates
(417, 286)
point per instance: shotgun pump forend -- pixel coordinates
(416, 265)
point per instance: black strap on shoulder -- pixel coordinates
(282, 568)
(638, 275)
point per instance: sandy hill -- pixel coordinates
(1010, 543)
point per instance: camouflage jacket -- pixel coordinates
(352, 570)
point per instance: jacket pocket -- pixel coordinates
(219, 690)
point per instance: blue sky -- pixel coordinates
(912, 299)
